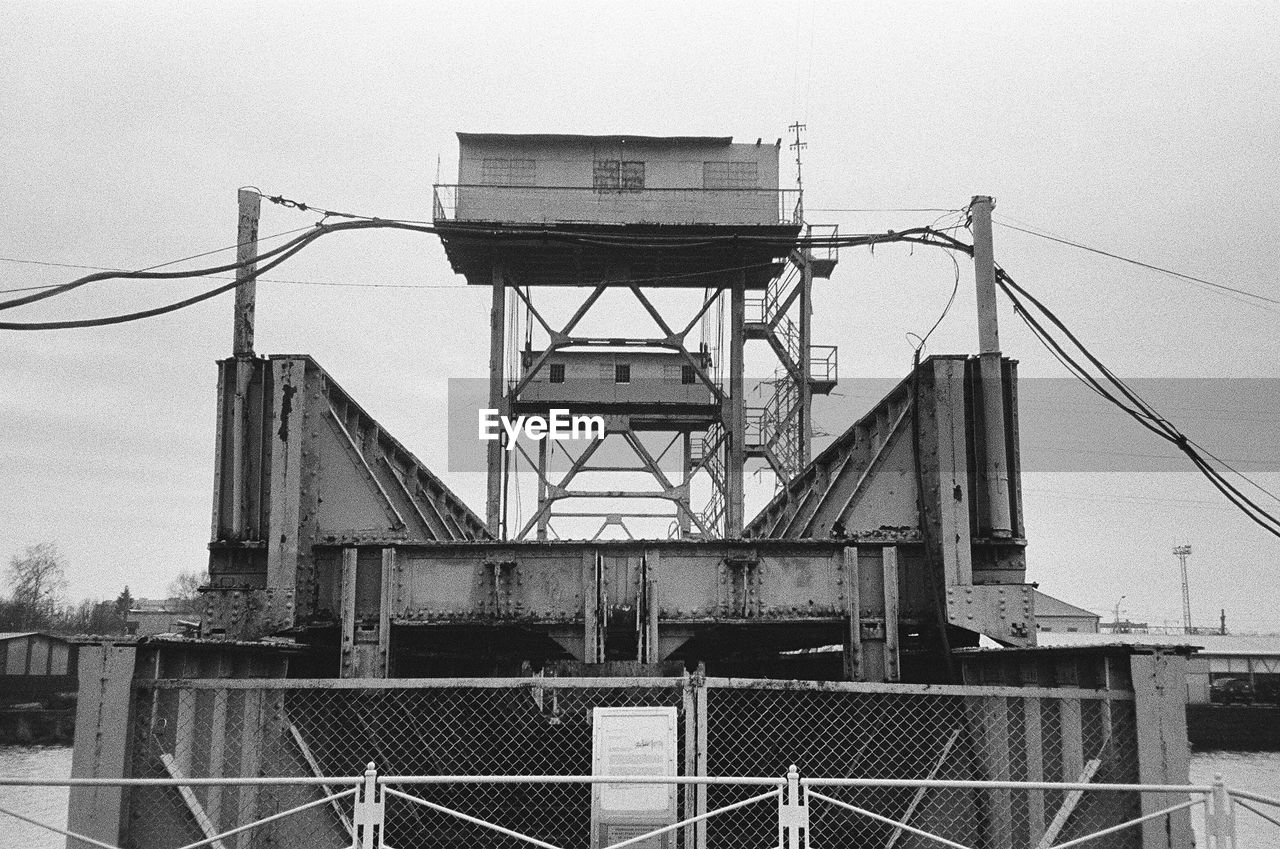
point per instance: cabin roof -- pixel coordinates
(699, 141)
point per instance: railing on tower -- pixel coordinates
(585, 204)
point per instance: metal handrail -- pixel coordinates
(370, 790)
(445, 196)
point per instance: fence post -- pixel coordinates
(793, 817)
(1221, 821)
(370, 810)
(1160, 722)
(104, 732)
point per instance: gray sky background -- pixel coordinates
(1148, 129)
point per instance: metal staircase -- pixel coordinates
(774, 430)
(708, 454)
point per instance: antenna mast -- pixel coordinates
(797, 128)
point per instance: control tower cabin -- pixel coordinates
(640, 213)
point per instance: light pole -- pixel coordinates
(1115, 625)
(1182, 552)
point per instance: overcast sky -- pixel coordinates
(1148, 129)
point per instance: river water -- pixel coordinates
(1258, 772)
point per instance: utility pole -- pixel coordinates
(1182, 552)
(995, 472)
(246, 289)
(1222, 627)
(250, 207)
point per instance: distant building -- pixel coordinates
(149, 617)
(35, 664)
(1057, 616)
(1125, 626)
(1254, 659)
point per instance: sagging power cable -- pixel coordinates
(283, 252)
(149, 273)
(1114, 389)
(1106, 383)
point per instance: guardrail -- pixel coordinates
(586, 204)
(806, 808)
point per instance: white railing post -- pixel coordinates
(793, 817)
(370, 810)
(1222, 819)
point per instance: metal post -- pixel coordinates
(348, 665)
(737, 414)
(1160, 723)
(805, 431)
(388, 598)
(497, 390)
(1222, 819)
(246, 290)
(889, 563)
(700, 708)
(793, 817)
(370, 811)
(853, 670)
(102, 740)
(996, 471)
(686, 467)
(543, 493)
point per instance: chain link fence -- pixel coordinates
(281, 730)
(542, 727)
(863, 731)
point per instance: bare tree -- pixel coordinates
(37, 579)
(186, 588)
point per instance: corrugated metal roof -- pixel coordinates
(13, 635)
(708, 141)
(1209, 644)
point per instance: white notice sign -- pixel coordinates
(633, 741)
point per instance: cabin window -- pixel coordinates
(622, 373)
(507, 172)
(617, 175)
(688, 375)
(557, 373)
(730, 175)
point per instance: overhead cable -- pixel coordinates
(1178, 274)
(148, 273)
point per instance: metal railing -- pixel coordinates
(373, 811)
(824, 363)
(585, 204)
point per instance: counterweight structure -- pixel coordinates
(900, 542)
